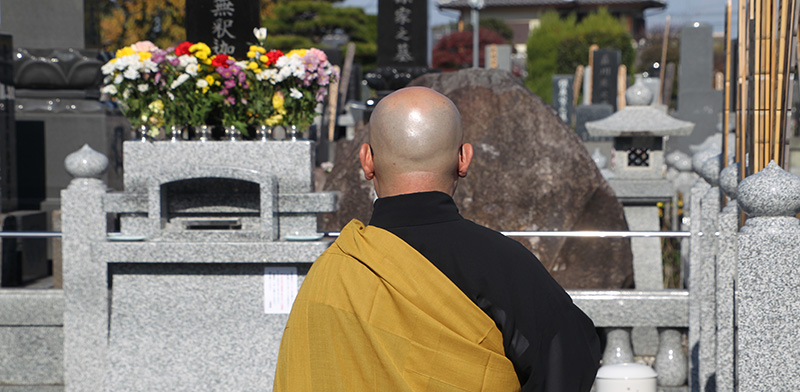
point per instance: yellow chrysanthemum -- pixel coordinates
(256, 48)
(210, 79)
(200, 50)
(126, 51)
(297, 52)
(251, 54)
(144, 55)
(253, 65)
(264, 59)
(277, 102)
(156, 106)
(273, 120)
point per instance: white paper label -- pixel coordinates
(280, 289)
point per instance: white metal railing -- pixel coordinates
(594, 234)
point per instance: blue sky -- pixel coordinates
(682, 12)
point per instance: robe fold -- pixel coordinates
(373, 314)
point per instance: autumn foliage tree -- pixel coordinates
(454, 51)
(125, 22)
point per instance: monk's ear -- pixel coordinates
(464, 159)
(365, 155)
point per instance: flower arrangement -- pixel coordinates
(189, 85)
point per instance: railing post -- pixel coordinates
(767, 284)
(710, 209)
(726, 273)
(85, 283)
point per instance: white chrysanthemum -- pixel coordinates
(282, 62)
(126, 94)
(191, 69)
(201, 83)
(170, 96)
(241, 64)
(118, 79)
(179, 81)
(131, 73)
(149, 66)
(108, 68)
(142, 87)
(109, 89)
(186, 60)
(295, 93)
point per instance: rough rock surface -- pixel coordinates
(530, 172)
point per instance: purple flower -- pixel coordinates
(246, 85)
(230, 100)
(244, 101)
(230, 84)
(159, 56)
(175, 62)
(241, 77)
(224, 92)
(157, 78)
(320, 96)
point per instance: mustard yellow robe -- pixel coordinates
(374, 315)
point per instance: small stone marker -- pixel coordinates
(563, 96)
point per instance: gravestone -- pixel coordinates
(562, 97)
(698, 102)
(225, 25)
(402, 33)
(402, 45)
(530, 172)
(604, 76)
(498, 56)
(593, 112)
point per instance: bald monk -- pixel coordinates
(422, 299)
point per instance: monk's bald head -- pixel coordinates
(415, 130)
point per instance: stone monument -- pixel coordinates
(530, 172)
(604, 76)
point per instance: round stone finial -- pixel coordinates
(679, 160)
(638, 94)
(699, 158)
(729, 180)
(772, 192)
(86, 163)
(709, 170)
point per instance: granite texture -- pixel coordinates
(21, 307)
(647, 268)
(181, 309)
(281, 159)
(707, 287)
(670, 363)
(639, 121)
(618, 346)
(727, 225)
(610, 308)
(86, 163)
(768, 307)
(710, 168)
(31, 355)
(192, 327)
(729, 184)
(85, 287)
(770, 192)
(692, 275)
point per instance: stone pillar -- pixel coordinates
(767, 285)
(84, 279)
(692, 270)
(727, 226)
(706, 286)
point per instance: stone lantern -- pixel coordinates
(639, 169)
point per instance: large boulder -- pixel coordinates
(530, 172)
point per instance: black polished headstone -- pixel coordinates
(226, 26)
(593, 112)
(604, 76)
(563, 96)
(402, 33)
(8, 135)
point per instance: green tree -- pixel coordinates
(304, 23)
(559, 45)
(543, 52)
